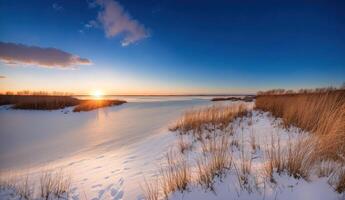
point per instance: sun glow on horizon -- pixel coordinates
(97, 94)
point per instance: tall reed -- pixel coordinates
(321, 113)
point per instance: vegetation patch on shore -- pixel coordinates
(294, 136)
(54, 102)
(245, 98)
(87, 105)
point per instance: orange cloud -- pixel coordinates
(17, 54)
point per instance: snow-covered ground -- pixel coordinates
(109, 152)
(263, 129)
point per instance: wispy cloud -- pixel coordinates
(115, 20)
(2, 76)
(17, 54)
(57, 7)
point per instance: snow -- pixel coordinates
(109, 152)
(264, 127)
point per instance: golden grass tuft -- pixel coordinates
(151, 190)
(54, 184)
(300, 158)
(176, 175)
(217, 116)
(215, 161)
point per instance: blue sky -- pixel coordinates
(175, 47)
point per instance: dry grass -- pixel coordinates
(176, 175)
(214, 162)
(243, 172)
(340, 186)
(300, 158)
(50, 185)
(275, 158)
(183, 144)
(87, 105)
(54, 184)
(216, 117)
(24, 189)
(151, 190)
(19, 186)
(38, 102)
(321, 113)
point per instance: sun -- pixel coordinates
(98, 94)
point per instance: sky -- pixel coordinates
(170, 47)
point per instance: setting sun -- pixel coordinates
(97, 94)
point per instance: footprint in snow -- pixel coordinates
(119, 195)
(126, 161)
(121, 181)
(97, 185)
(113, 192)
(137, 174)
(74, 189)
(100, 194)
(140, 197)
(132, 157)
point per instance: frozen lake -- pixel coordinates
(114, 147)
